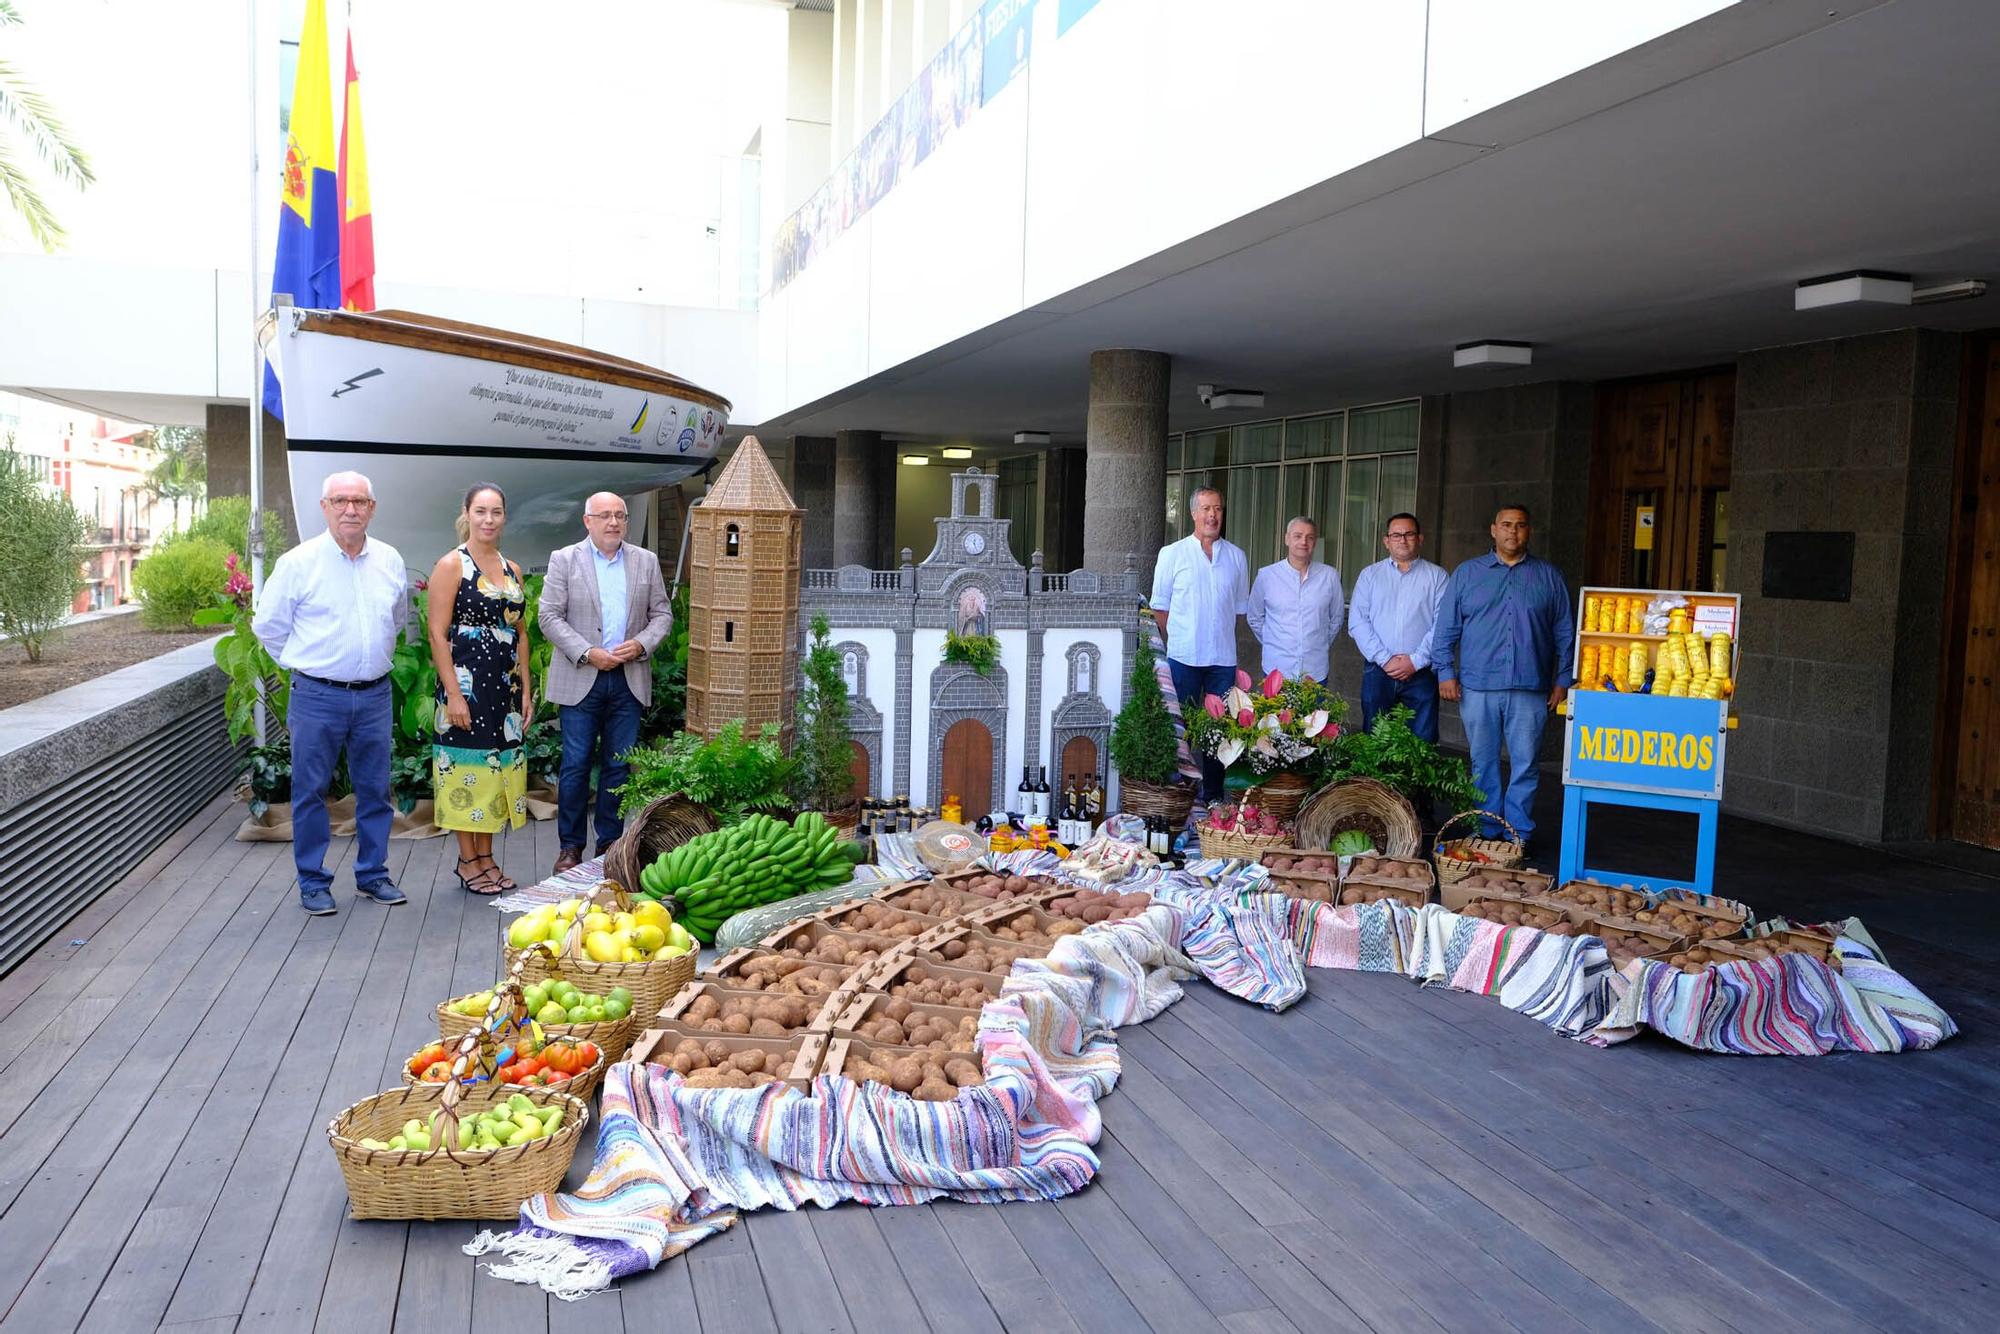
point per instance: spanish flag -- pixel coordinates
(308, 263)
(357, 218)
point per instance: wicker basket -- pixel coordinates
(1156, 801)
(611, 1035)
(580, 1085)
(658, 827)
(652, 982)
(447, 1182)
(1281, 795)
(1500, 854)
(1232, 843)
(1362, 803)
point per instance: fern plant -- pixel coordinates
(732, 775)
(1392, 754)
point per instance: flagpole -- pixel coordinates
(256, 542)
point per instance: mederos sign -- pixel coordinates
(1645, 743)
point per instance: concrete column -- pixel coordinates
(813, 490)
(864, 499)
(1125, 460)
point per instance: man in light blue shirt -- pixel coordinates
(1295, 606)
(1395, 609)
(1503, 639)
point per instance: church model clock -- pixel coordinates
(975, 542)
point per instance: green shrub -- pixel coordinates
(227, 521)
(41, 555)
(179, 579)
(1143, 745)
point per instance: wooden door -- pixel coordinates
(1659, 492)
(857, 768)
(1967, 792)
(1079, 759)
(968, 766)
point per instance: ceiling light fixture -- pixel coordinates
(1857, 287)
(916, 460)
(1031, 437)
(956, 452)
(1492, 354)
(1963, 290)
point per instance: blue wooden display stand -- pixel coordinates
(1655, 752)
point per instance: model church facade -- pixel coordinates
(927, 728)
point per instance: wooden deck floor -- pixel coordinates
(1380, 1157)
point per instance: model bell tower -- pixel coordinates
(743, 598)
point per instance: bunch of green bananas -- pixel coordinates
(711, 877)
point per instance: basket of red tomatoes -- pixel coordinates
(573, 1066)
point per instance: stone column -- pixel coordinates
(864, 500)
(812, 488)
(1125, 460)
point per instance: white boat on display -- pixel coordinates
(426, 407)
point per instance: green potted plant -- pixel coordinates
(823, 746)
(1393, 755)
(1144, 748)
(979, 652)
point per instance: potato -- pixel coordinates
(768, 1028)
(716, 1051)
(905, 1074)
(735, 1023)
(963, 1073)
(684, 1063)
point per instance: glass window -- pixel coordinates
(1177, 515)
(1399, 486)
(1251, 519)
(1359, 518)
(1020, 502)
(1207, 449)
(1259, 443)
(1314, 437)
(1176, 452)
(1385, 430)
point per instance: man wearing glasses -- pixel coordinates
(329, 614)
(604, 607)
(1395, 608)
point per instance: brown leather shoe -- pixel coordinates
(567, 859)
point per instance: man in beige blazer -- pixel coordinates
(604, 608)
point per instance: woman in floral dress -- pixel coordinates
(479, 645)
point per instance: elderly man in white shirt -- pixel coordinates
(1200, 586)
(329, 614)
(1295, 606)
(1395, 609)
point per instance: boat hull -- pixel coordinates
(426, 417)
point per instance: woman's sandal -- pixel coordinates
(481, 884)
(506, 885)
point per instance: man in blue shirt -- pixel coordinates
(1502, 648)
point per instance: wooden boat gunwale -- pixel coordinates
(428, 333)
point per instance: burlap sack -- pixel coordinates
(275, 824)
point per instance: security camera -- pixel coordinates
(1204, 392)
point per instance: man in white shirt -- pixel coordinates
(1296, 607)
(329, 614)
(1201, 584)
(1395, 609)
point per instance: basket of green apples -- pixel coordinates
(557, 1006)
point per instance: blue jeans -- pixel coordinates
(596, 733)
(1192, 684)
(1381, 692)
(1517, 716)
(324, 721)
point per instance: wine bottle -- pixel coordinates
(1024, 795)
(1065, 815)
(1042, 791)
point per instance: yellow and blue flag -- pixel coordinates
(308, 263)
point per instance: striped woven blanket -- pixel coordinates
(674, 1164)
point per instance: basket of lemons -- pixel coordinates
(601, 945)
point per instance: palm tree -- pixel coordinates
(26, 113)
